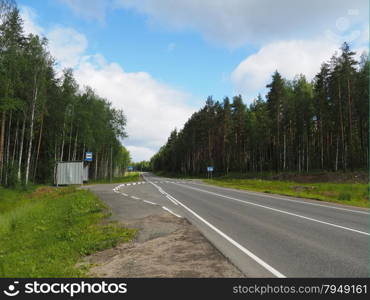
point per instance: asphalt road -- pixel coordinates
(265, 235)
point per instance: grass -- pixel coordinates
(355, 194)
(45, 232)
(128, 177)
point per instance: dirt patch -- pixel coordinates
(166, 246)
(43, 191)
(299, 188)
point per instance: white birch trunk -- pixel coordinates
(31, 131)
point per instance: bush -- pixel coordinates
(344, 196)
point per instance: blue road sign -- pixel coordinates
(210, 169)
(88, 156)
(130, 168)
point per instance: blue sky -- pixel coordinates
(159, 60)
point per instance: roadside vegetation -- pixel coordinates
(299, 126)
(355, 194)
(348, 188)
(46, 117)
(128, 177)
(44, 231)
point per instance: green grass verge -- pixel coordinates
(128, 177)
(44, 233)
(355, 194)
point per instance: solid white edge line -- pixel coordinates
(170, 198)
(278, 210)
(285, 199)
(170, 211)
(233, 242)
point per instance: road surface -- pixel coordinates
(265, 235)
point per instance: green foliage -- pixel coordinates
(45, 119)
(302, 126)
(344, 193)
(344, 196)
(128, 177)
(46, 232)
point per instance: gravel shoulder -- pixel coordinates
(165, 246)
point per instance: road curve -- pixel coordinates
(274, 236)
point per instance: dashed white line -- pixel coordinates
(150, 202)
(124, 194)
(136, 198)
(235, 243)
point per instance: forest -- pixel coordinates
(302, 126)
(46, 117)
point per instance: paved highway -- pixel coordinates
(267, 235)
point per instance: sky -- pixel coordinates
(159, 60)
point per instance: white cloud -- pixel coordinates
(152, 108)
(140, 153)
(288, 57)
(237, 22)
(29, 17)
(67, 46)
(89, 9)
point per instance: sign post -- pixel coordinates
(209, 171)
(88, 156)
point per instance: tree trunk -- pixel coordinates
(38, 146)
(96, 166)
(21, 149)
(15, 144)
(341, 127)
(284, 165)
(350, 158)
(8, 149)
(70, 141)
(111, 163)
(2, 139)
(31, 131)
(75, 147)
(62, 146)
(337, 155)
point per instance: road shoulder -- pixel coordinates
(165, 246)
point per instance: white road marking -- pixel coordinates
(136, 198)
(170, 211)
(124, 194)
(229, 239)
(128, 183)
(150, 202)
(133, 183)
(289, 200)
(171, 199)
(280, 211)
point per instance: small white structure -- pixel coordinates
(71, 173)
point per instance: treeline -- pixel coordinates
(142, 166)
(46, 118)
(302, 126)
